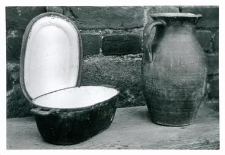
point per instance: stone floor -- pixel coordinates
(131, 129)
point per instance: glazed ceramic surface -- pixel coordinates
(173, 69)
(50, 71)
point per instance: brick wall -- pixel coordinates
(112, 44)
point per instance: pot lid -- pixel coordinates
(51, 55)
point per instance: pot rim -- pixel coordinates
(176, 15)
(97, 104)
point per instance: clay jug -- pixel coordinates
(173, 69)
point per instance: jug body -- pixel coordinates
(173, 70)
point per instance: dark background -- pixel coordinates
(112, 44)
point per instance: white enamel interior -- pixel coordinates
(77, 97)
(52, 56)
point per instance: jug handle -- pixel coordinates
(147, 39)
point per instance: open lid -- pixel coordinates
(51, 55)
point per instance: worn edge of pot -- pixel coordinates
(98, 104)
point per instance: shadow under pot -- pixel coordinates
(50, 71)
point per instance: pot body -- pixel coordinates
(72, 126)
(173, 71)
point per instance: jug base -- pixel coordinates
(171, 125)
(175, 119)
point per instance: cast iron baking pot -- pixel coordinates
(76, 114)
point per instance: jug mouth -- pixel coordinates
(175, 15)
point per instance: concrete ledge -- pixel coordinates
(131, 129)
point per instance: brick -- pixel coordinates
(210, 15)
(212, 104)
(89, 17)
(161, 9)
(213, 64)
(57, 9)
(121, 44)
(9, 80)
(204, 37)
(13, 75)
(216, 42)
(122, 72)
(17, 105)
(17, 18)
(213, 87)
(13, 48)
(91, 43)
